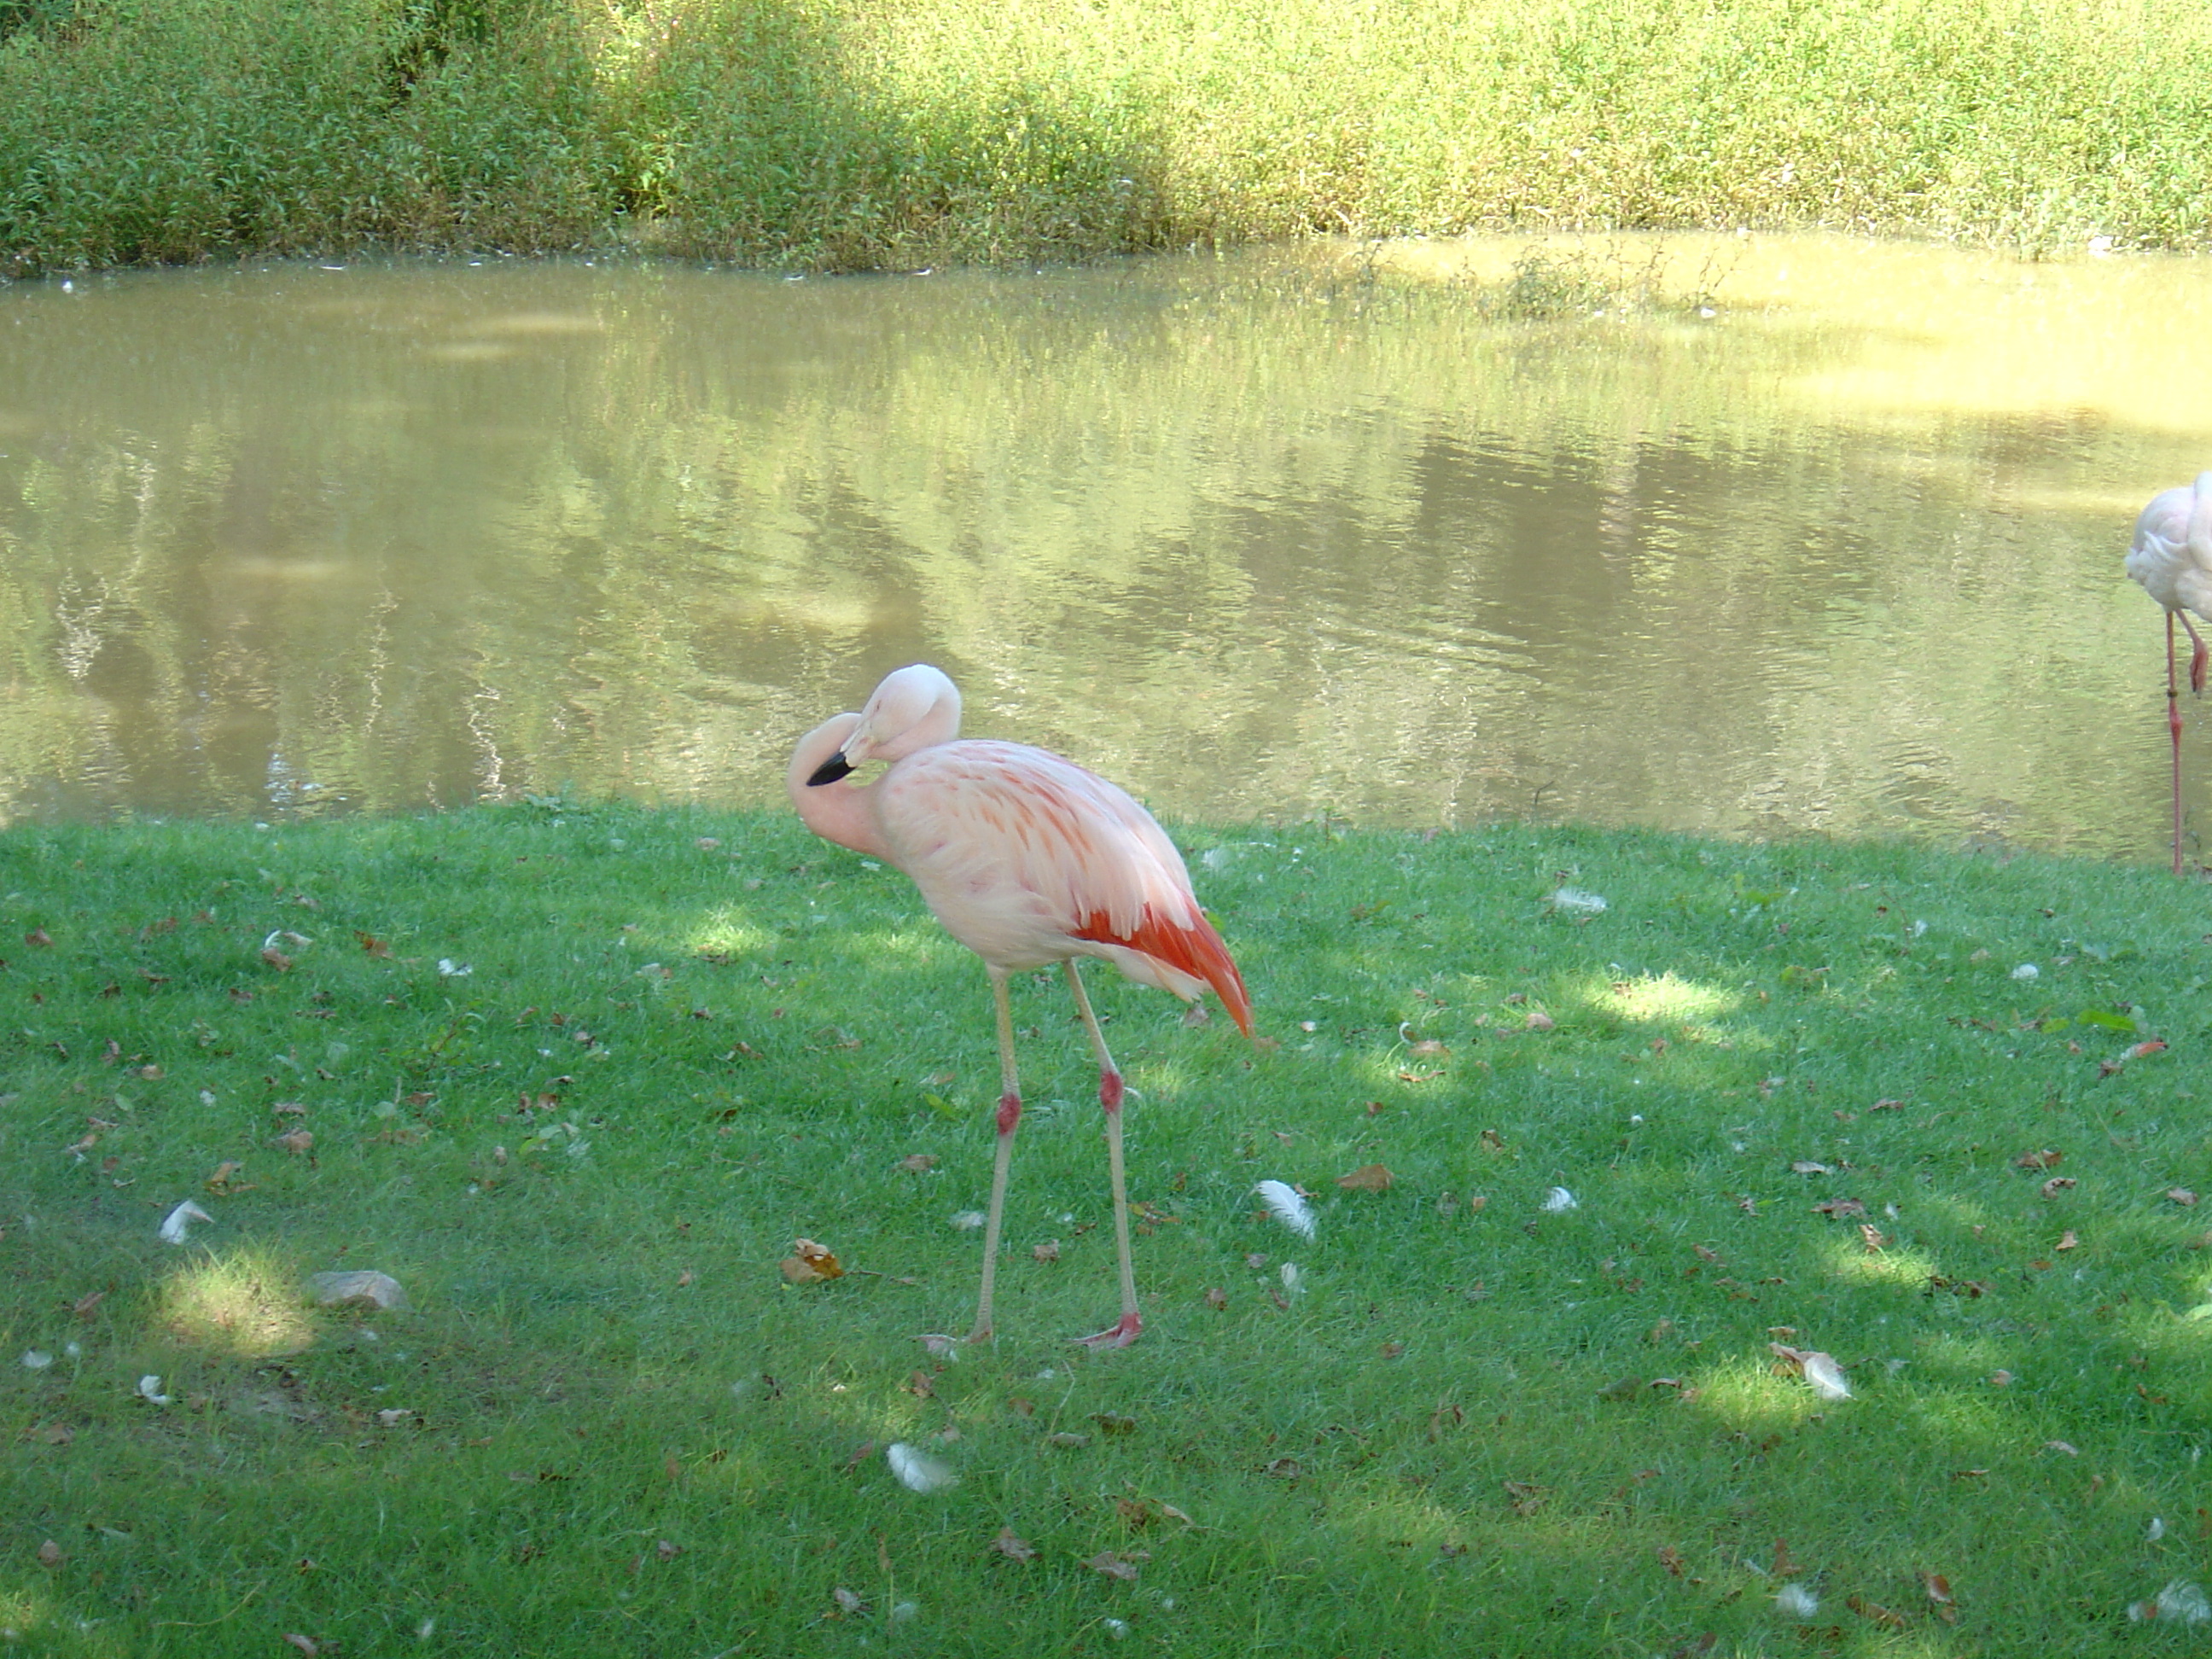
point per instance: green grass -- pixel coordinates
(843, 134)
(606, 1424)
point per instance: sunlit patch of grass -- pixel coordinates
(725, 933)
(241, 1303)
(1853, 1264)
(1753, 1396)
(1661, 998)
(22, 1613)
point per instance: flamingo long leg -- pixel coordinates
(1010, 1118)
(2199, 656)
(2173, 717)
(1124, 1331)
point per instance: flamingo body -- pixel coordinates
(1027, 859)
(2171, 553)
(2172, 556)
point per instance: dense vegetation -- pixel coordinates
(1644, 1134)
(855, 134)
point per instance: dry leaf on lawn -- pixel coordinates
(809, 1263)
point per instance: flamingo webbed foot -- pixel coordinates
(1118, 1336)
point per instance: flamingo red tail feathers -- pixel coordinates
(1195, 950)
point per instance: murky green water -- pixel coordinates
(1258, 537)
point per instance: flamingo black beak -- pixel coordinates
(831, 770)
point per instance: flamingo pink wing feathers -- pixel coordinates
(1022, 854)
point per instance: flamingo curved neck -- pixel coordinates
(838, 811)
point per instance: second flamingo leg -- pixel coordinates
(2173, 716)
(1124, 1331)
(1010, 1118)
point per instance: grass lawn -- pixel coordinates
(577, 1077)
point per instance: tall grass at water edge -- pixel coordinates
(853, 136)
(1636, 1122)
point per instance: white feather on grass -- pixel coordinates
(1284, 1204)
(180, 1220)
(917, 1472)
(1825, 1377)
(1796, 1602)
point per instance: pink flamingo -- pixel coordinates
(1026, 859)
(2172, 558)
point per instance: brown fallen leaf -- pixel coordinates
(1671, 1559)
(1368, 1178)
(2057, 1185)
(850, 1605)
(84, 1305)
(809, 1263)
(2180, 1195)
(1113, 1423)
(1048, 1251)
(1806, 1166)
(1841, 1208)
(1938, 1596)
(50, 1555)
(1876, 1239)
(306, 1645)
(371, 945)
(2045, 1160)
(1218, 1299)
(282, 964)
(2068, 1240)
(1286, 1468)
(1012, 1545)
(917, 1162)
(298, 1141)
(50, 1434)
(1116, 1565)
(1066, 1441)
(225, 1176)
(1873, 1611)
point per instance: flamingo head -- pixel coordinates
(913, 709)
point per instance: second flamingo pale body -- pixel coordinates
(1027, 859)
(2172, 556)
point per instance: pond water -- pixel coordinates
(1338, 529)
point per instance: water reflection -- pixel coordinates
(1260, 537)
